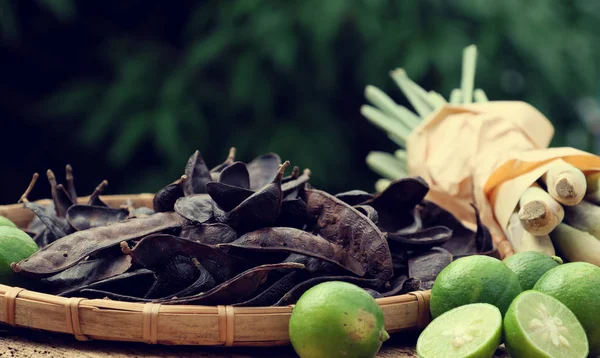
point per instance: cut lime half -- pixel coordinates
(538, 325)
(472, 330)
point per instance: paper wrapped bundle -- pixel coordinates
(496, 156)
(488, 154)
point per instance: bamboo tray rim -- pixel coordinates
(153, 323)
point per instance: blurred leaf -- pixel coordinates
(8, 24)
(64, 10)
(129, 137)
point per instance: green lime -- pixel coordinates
(337, 319)
(577, 285)
(539, 325)
(529, 266)
(472, 330)
(474, 279)
(15, 245)
(6, 222)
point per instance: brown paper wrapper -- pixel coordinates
(486, 154)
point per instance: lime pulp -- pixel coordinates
(472, 330)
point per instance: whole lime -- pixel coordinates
(337, 319)
(15, 245)
(529, 266)
(6, 222)
(577, 286)
(474, 279)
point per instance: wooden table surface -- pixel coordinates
(17, 343)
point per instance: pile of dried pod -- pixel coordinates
(242, 234)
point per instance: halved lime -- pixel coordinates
(472, 330)
(539, 325)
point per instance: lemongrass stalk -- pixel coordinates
(521, 240)
(382, 184)
(480, 96)
(593, 187)
(399, 76)
(399, 141)
(469, 64)
(576, 245)
(539, 212)
(401, 154)
(456, 96)
(566, 183)
(386, 165)
(585, 217)
(437, 99)
(390, 125)
(378, 98)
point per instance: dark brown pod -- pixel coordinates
(354, 197)
(259, 210)
(180, 274)
(274, 292)
(209, 234)
(71, 249)
(198, 175)
(61, 199)
(292, 188)
(236, 175)
(133, 284)
(292, 214)
(83, 217)
(228, 161)
(164, 200)
(237, 289)
(94, 198)
(426, 238)
(287, 239)
(263, 169)
(157, 251)
(397, 285)
(227, 196)
(369, 212)
(196, 208)
(346, 227)
(56, 225)
(87, 272)
(427, 265)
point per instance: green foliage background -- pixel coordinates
(137, 86)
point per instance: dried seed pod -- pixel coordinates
(198, 175)
(354, 197)
(61, 199)
(426, 238)
(427, 265)
(263, 169)
(132, 284)
(228, 161)
(236, 175)
(227, 196)
(86, 272)
(274, 292)
(164, 200)
(286, 239)
(292, 214)
(237, 289)
(94, 198)
(196, 208)
(71, 249)
(209, 234)
(259, 210)
(70, 183)
(343, 225)
(83, 217)
(158, 251)
(369, 212)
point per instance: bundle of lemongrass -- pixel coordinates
(559, 210)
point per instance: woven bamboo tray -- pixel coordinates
(97, 319)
